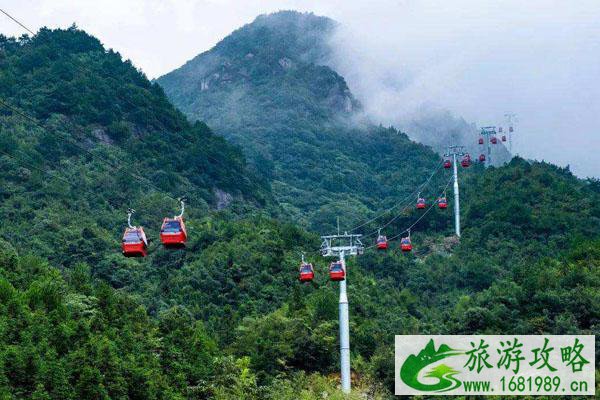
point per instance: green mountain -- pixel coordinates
(265, 87)
(84, 136)
(95, 125)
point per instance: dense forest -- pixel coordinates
(265, 88)
(84, 136)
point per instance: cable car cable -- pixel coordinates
(17, 21)
(126, 100)
(110, 165)
(415, 222)
(401, 202)
(406, 206)
(68, 182)
(130, 103)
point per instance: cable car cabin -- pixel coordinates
(447, 164)
(442, 203)
(504, 138)
(466, 161)
(336, 271)
(480, 140)
(134, 243)
(510, 129)
(405, 245)
(307, 273)
(494, 140)
(500, 129)
(382, 242)
(421, 203)
(482, 158)
(172, 233)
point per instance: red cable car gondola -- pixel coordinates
(442, 203)
(482, 158)
(307, 273)
(480, 140)
(134, 243)
(405, 244)
(336, 271)
(494, 140)
(421, 205)
(172, 233)
(466, 161)
(447, 164)
(382, 242)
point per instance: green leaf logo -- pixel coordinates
(409, 372)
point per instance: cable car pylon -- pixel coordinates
(489, 133)
(454, 152)
(340, 246)
(511, 118)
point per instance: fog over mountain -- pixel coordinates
(272, 148)
(537, 59)
(401, 58)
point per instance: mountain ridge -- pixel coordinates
(226, 318)
(296, 119)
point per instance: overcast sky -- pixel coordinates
(478, 59)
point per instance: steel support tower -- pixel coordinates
(487, 132)
(341, 246)
(511, 118)
(454, 152)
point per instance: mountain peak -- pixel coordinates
(291, 34)
(287, 17)
(277, 55)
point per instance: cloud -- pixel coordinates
(478, 59)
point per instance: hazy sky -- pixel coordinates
(478, 59)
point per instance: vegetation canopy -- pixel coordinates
(84, 136)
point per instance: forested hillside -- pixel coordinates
(266, 87)
(84, 136)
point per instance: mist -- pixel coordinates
(403, 59)
(478, 60)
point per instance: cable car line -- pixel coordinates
(73, 142)
(17, 21)
(337, 272)
(406, 230)
(85, 69)
(404, 200)
(134, 243)
(392, 220)
(68, 182)
(415, 222)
